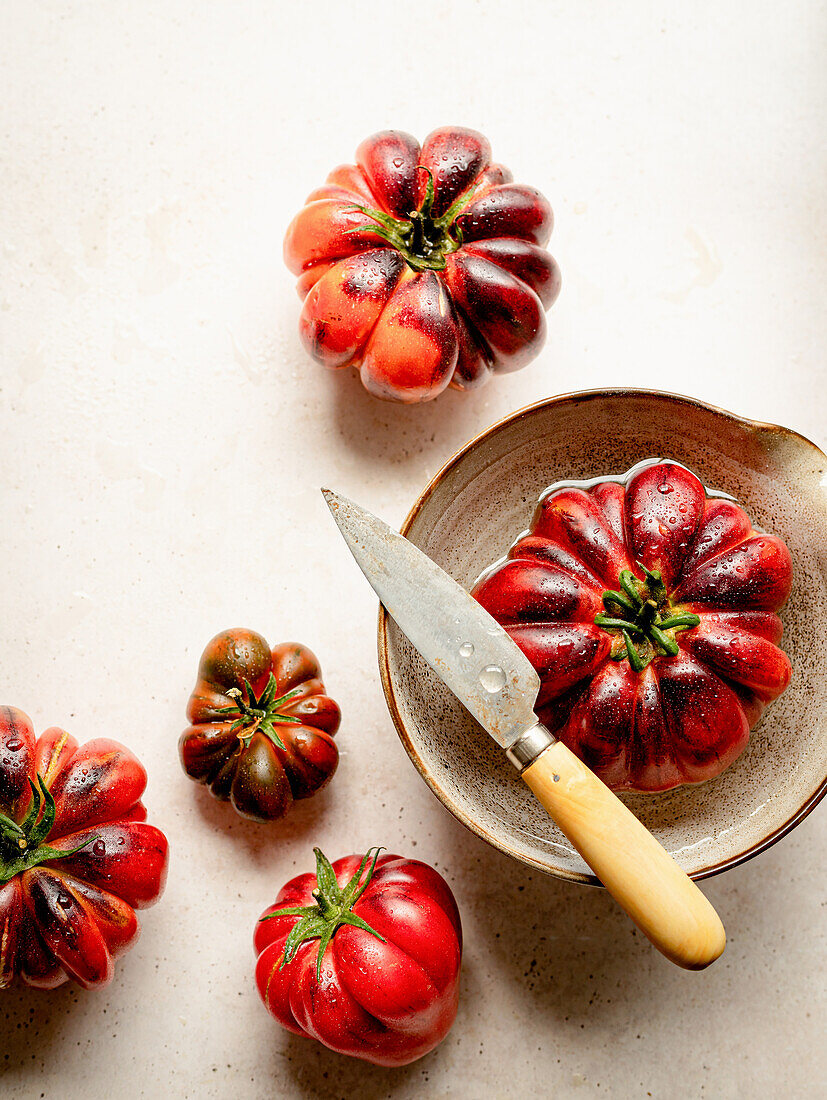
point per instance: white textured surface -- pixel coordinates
(164, 436)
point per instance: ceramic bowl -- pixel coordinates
(484, 497)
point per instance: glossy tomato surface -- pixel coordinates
(262, 725)
(649, 610)
(423, 266)
(76, 855)
(388, 994)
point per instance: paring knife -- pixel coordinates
(490, 675)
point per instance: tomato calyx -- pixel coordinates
(641, 614)
(22, 846)
(333, 908)
(424, 241)
(260, 715)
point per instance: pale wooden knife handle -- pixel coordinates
(661, 899)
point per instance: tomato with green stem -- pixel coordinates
(364, 956)
(649, 608)
(423, 266)
(262, 725)
(76, 855)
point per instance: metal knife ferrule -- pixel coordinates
(527, 748)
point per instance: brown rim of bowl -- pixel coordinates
(572, 398)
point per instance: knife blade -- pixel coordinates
(491, 676)
(464, 645)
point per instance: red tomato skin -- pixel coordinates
(683, 719)
(261, 780)
(387, 1003)
(71, 917)
(488, 314)
(343, 307)
(411, 353)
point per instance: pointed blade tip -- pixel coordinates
(331, 499)
(341, 509)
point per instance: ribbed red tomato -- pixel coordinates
(364, 955)
(76, 856)
(423, 266)
(262, 725)
(649, 610)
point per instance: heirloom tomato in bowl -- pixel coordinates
(649, 610)
(424, 266)
(262, 725)
(364, 956)
(651, 595)
(77, 857)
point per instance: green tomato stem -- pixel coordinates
(645, 629)
(422, 240)
(22, 846)
(333, 908)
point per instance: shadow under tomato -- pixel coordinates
(31, 1018)
(398, 434)
(261, 839)
(322, 1074)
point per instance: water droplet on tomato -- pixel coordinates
(665, 488)
(398, 162)
(99, 848)
(15, 745)
(64, 901)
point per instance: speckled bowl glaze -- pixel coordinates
(484, 497)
